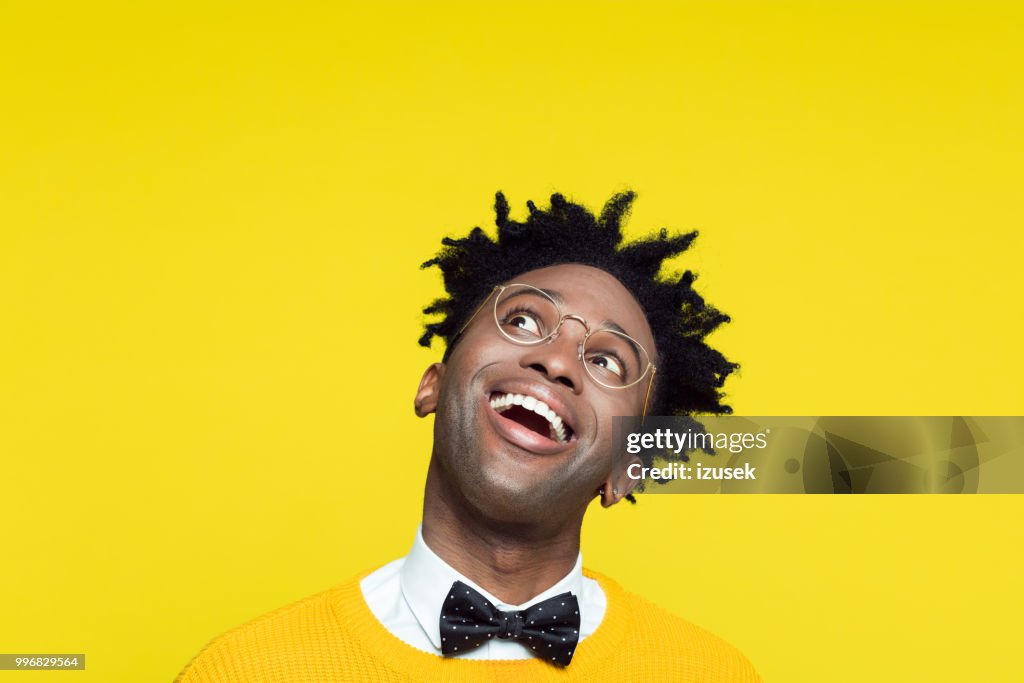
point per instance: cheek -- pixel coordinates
(479, 348)
(606, 412)
(618, 406)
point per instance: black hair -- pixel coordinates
(690, 373)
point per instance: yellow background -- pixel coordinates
(210, 225)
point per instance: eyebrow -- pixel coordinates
(554, 294)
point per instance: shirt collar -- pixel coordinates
(425, 579)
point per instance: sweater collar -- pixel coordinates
(425, 579)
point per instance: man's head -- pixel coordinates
(507, 460)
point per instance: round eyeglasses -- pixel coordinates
(529, 316)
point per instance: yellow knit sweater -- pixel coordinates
(333, 636)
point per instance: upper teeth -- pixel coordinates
(503, 402)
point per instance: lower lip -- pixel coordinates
(523, 437)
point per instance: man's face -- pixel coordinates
(509, 464)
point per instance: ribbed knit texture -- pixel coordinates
(333, 636)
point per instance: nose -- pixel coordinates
(558, 359)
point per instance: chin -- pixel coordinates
(540, 508)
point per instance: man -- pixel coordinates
(552, 329)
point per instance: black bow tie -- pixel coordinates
(550, 629)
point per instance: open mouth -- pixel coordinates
(535, 415)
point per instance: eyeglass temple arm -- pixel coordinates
(470, 319)
(647, 398)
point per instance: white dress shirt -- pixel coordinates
(406, 597)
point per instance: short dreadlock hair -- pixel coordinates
(690, 373)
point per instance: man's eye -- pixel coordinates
(524, 322)
(610, 364)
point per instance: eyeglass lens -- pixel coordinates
(526, 315)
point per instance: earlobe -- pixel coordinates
(618, 485)
(426, 396)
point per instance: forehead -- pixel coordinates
(594, 294)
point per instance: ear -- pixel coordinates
(426, 396)
(619, 484)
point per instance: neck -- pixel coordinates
(512, 561)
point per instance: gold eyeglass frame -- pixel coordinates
(496, 293)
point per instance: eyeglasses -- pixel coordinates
(528, 316)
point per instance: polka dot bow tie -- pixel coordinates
(549, 629)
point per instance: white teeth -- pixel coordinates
(557, 427)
